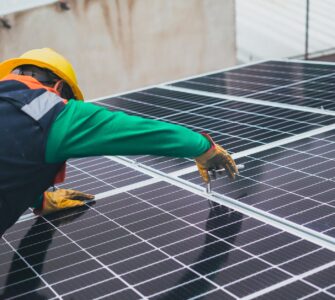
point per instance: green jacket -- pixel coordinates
(84, 129)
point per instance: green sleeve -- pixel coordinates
(84, 129)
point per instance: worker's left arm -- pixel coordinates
(85, 129)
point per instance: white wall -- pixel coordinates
(10, 6)
(118, 45)
(276, 28)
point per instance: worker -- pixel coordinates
(44, 122)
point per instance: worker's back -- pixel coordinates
(24, 175)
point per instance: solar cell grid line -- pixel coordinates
(110, 271)
(137, 107)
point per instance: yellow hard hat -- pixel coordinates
(45, 58)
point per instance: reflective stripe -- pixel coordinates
(41, 105)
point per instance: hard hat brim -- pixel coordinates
(8, 65)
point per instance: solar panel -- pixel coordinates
(154, 233)
(155, 241)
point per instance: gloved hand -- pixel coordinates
(214, 159)
(62, 199)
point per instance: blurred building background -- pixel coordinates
(120, 45)
(280, 28)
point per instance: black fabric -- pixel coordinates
(24, 174)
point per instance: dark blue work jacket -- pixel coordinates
(26, 114)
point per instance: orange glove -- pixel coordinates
(215, 158)
(62, 199)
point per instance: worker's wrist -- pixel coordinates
(208, 141)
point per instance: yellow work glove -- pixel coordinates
(62, 199)
(215, 158)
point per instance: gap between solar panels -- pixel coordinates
(263, 216)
